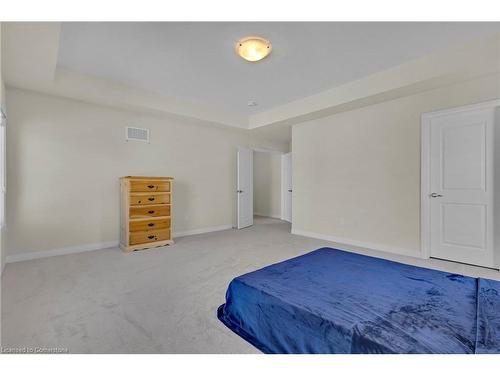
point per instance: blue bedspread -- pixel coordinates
(331, 301)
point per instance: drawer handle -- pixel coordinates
(151, 186)
(151, 225)
(151, 199)
(151, 212)
(151, 237)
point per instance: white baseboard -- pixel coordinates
(61, 251)
(202, 230)
(351, 242)
(98, 246)
(274, 216)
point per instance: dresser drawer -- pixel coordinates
(142, 186)
(149, 198)
(149, 236)
(149, 224)
(149, 211)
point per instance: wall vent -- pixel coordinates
(136, 134)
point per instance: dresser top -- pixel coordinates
(147, 178)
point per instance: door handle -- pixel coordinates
(239, 191)
(289, 190)
(435, 195)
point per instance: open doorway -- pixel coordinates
(267, 184)
(264, 190)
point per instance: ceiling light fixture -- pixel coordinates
(253, 48)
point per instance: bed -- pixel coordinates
(332, 301)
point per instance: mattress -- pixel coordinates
(332, 301)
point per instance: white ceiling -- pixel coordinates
(196, 62)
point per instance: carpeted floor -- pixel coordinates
(156, 301)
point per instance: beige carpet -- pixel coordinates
(156, 301)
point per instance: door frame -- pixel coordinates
(254, 149)
(283, 187)
(425, 168)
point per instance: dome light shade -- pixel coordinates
(253, 48)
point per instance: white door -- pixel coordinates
(287, 187)
(244, 188)
(460, 193)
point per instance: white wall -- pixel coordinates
(65, 158)
(267, 184)
(357, 174)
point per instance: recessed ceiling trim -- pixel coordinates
(429, 72)
(446, 67)
(196, 61)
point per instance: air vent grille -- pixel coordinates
(137, 134)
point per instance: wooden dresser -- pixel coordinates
(146, 212)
